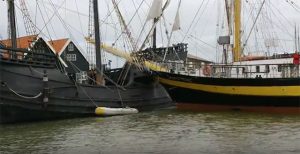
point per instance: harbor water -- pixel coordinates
(159, 132)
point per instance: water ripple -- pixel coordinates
(157, 132)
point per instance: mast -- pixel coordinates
(296, 39)
(237, 31)
(154, 34)
(228, 14)
(12, 23)
(97, 37)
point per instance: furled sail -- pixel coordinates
(119, 53)
(155, 10)
(176, 25)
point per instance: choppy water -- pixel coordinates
(157, 132)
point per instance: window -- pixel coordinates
(267, 68)
(279, 68)
(244, 70)
(71, 57)
(257, 69)
(71, 47)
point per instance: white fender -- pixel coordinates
(105, 111)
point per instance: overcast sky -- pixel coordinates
(69, 18)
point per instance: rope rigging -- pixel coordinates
(194, 18)
(132, 45)
(245, 44)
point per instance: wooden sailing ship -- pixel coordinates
(34, 85)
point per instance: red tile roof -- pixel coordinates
(22, 42)
(58, 44)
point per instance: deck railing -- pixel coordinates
(234, 71)
(23, 56)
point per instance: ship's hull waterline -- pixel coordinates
(22, 94)
(277, 95)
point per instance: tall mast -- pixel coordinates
(12, 23)
(97, 37)
(154, 35)
(296, 39)
(228, 14)
(237, 31)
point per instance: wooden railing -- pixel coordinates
(23, 56)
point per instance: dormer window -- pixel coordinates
(71, 47)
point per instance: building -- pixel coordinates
(195, 65)
(195, 60)
(77, 65)
(32, 42)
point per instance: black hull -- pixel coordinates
(11, 113)
(199, 94)
(67, 100)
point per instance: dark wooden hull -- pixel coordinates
(218, 94)
(67, 100)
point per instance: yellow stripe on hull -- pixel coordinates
(288, 91)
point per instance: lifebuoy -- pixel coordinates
(207, 70)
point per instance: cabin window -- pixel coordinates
(71, 47)
(267, 68)
(71, 57)
(257, 69)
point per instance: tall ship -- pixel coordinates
(255, 83)
(38, 82)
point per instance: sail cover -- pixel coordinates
(155, 10)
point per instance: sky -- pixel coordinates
(202, 21)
